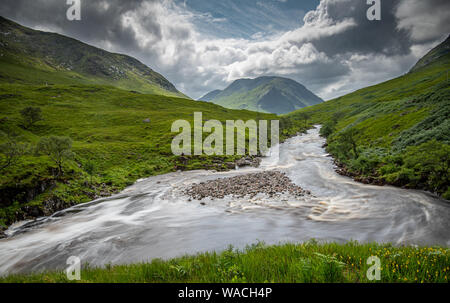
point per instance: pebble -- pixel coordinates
(270, 183)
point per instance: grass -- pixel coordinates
(107, 127)
(34, 57)
(309, 262)
(401, 129)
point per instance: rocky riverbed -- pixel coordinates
(270, 183)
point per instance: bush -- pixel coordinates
(59, 149)
(31, 115)
(327, 129)
(10, 152)
(431, 164)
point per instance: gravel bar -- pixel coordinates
(270, 183)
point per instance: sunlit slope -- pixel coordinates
(402, 102)
(125, 135)
(401, 128)
(34, 57)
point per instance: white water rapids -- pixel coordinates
(153, 219)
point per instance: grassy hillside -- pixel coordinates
(289, 263)
(434, 55)
(123, 135)
(264, 94)
(34, 57)
(396, 132)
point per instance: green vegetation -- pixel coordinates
(10, 152)
(113, 142)
(396, 132)
(265, 94)
(96, 122)
(33, 57)
(31, 115)
(287, 263)
(58, 149)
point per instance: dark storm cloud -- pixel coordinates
(101, 20)
(334, 51)
(366, 36)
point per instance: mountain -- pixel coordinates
(264, 94)
(34, 57)
(396, 132)
(92, 97)
(434, 55)
(211, 95)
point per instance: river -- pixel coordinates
(154, 219)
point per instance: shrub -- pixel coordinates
(31, 115)
(59, 149)
(327, 129)
(10, 152)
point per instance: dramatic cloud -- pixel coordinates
(333, 49)
(426, 20)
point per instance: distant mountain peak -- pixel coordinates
(271, 94)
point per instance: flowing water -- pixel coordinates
(154, 219)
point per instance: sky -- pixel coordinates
(201, 45)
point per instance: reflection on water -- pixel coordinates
(153, 219)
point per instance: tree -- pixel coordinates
(31, 115)
(348, 138)
(11, 151)
(327, 129)
(59, 149)
(303, 116)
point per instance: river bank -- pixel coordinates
(94, 191)
(309, 262)
(154, 219)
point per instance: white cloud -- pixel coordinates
(172, 43)
(334, 51)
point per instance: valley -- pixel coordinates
(88, 169)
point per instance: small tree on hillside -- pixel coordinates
(305, 117)
(327, 129)
(11, 151)
(31, 115)
(59, 149)
(348, 139)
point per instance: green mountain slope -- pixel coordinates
(125, 135)
(265, 94)
(117, 112)
(434, 55)
(396, 132)
(34, 57)
(211, 95)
